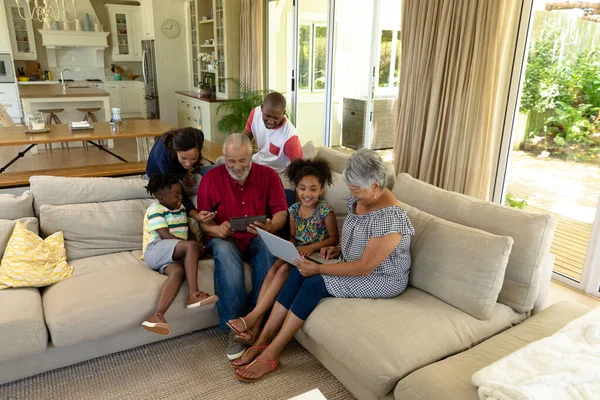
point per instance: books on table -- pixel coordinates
(80, 126)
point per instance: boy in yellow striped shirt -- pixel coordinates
(166, 249)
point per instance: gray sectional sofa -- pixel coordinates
(478, 270)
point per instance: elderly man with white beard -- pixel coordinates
(241, 189)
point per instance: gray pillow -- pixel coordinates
(460, 265)
(93, 229)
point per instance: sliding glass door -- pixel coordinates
(551, 159)
(337, 62)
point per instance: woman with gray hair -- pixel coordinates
(374, 262)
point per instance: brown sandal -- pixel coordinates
(233, 328)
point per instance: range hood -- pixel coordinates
(55, 38)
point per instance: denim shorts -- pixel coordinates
(159, 254)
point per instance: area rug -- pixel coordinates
(191, 366)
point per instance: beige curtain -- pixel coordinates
(251, 43)
(456, 64)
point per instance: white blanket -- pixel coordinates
(565, 365)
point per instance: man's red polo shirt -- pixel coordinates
(261, 194)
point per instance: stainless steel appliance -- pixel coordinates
(150, 83)
(7, 72)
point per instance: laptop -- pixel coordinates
(286, 250)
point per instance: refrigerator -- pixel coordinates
(149, 75)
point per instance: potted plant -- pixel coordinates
(239, 108)
(205, 90)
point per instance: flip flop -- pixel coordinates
(209, 300)
(246, 352)
(248, 342)
(274, 364)
(233, 327)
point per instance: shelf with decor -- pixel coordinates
(221, 24)
(126, 29)
(20, 32)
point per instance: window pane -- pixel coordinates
(397, 65)
(304, 57)
(385, 58)
(319, 57)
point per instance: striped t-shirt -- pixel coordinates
(158, 216)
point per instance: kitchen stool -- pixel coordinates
(52, 117)
(89, 115)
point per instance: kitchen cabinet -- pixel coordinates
(126, 30)
(199, 113)
(128, 96)
(20, 32)
(147, 19)
(4, 38)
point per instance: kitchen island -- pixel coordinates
(39, 97)
(36, 97)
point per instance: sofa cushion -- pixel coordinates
(381, 341)
(532, 233)
(13, 207)
(93, 229)
(112, 293)
(55, 190)
(22, 327)
(450, 379)
(339, 160)
(7, 227)
(337, 194)
(461, 265)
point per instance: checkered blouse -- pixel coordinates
(390, 278)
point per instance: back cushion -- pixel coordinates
(532, 233)
(460, 265)
(339, 160)
(13, 207)
(7, 226)
(56, 190)
(94, 229)
(337, 194)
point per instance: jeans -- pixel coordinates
(229, 275)
(301, 295)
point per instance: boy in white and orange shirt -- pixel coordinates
(275, 135)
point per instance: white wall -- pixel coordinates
(171, 57)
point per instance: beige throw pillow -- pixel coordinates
(460, 265)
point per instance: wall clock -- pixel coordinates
(170, 28)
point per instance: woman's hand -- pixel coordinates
(330, 252)
(307, 268)
(305, 250)
(204, 217)
(188, 181)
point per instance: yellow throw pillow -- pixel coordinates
(30, 261)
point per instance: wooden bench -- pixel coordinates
(16, 179)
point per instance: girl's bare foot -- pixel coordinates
(249, 356)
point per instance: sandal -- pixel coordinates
(193, 302)
(248, 342)
(232, 327)
(236, 366)
(274, 364)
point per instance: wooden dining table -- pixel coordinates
(143, 130)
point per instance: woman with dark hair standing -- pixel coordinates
(179, 151)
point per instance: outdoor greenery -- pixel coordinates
(239, 108)
(512, 201)
(561, 93)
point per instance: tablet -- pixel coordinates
(241, 224)
(286, 250)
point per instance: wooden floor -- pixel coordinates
(571, 237)
(559, 292)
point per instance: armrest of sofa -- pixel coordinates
(545, 278)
